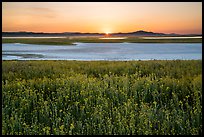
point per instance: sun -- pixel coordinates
(107, 34)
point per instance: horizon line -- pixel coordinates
(105, 33)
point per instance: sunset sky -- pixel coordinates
(102, 17)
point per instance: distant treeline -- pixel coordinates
(66, 34)
(41, 34)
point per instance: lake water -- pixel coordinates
(103, 51)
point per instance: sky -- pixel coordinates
(103, 17)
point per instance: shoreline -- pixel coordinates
(71, 41)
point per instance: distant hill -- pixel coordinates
(140, 33)
(67, 34)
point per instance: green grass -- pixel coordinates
(70, 41)
(40, 41)
(102, 97)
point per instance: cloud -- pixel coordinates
(42, 9)
(43, 12)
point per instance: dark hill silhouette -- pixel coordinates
(67, 34)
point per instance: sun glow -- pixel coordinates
(104, 17)
(107, 34)
(114, 38)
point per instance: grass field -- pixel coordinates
(70, 41)
(41, 41)
(102, 97)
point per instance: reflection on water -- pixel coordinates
(31, 37)
(194, 37)
(114, 38)
(103, 51)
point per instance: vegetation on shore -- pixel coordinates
(102, 97)
(71, 41)
(40, 41)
